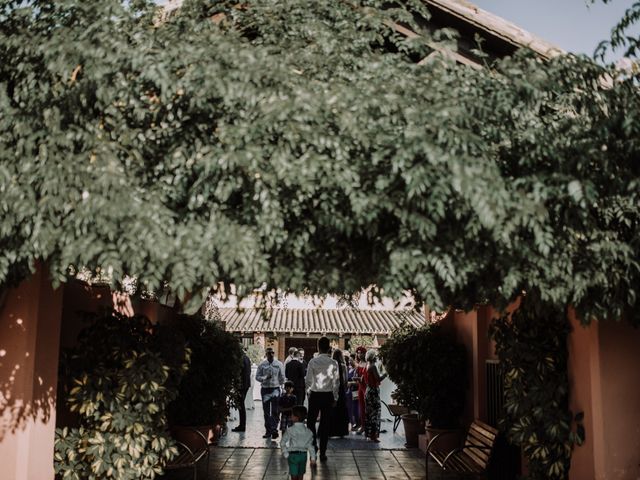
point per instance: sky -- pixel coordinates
(573, 25)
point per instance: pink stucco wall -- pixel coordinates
(620, 383)
(79, 297)
(471, 329)
(605, 385)
(585, 395)
(35, 320)
(604, 361)
(29, 334)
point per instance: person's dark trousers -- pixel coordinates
(270, 398)
(352, 409)
(355, 406)
(300, 394)
(320, 402)
(242, 410)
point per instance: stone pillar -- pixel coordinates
(30, 317)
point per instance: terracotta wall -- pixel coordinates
(471, 329)
(35, 320)
(584, 378)
(29, 339)
(605, 385)
(79, 298)
(620, 383)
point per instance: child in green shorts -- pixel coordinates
(296, 442)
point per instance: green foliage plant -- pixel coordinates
(212, 382)
(360, 341)
(119, 380)
(532, 347)
(430, 370)
(300, 145)
(255, 353)
(622, 35)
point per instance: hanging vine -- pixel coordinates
(532, 347)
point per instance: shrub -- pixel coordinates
(119, 380)
(255, 353)
(429, 368)
(532, 347)
(213, 376)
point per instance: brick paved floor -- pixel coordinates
(268, 464)
(247, 456)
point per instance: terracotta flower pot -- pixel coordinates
(412, 428)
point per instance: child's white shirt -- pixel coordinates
(298, 438)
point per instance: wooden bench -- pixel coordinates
(192, 447)
(396, 411)
(470, 459)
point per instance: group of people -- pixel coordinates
(343, 390)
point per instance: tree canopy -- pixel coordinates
(301, 146)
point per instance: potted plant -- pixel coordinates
(209, 387)
(429, 368)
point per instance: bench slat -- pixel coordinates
(474, 442)
(462, 463)
(480, 441)
(482, 436)
(454, 464)
(481, 455)
(478, 456)
(487, 428)
(485, 432)
(477, 453)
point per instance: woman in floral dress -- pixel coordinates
(372, 397)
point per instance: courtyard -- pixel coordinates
(470, 165)
(248, 456)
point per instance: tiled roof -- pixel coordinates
(330, 321)
(495, 25)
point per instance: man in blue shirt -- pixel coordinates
(270, 374)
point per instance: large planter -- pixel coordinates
(216, 432)
(450, 439)
(412, 428)
(423, 442)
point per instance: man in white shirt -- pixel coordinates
(322, 382)
(270, 374)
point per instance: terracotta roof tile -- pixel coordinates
(329, 321)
